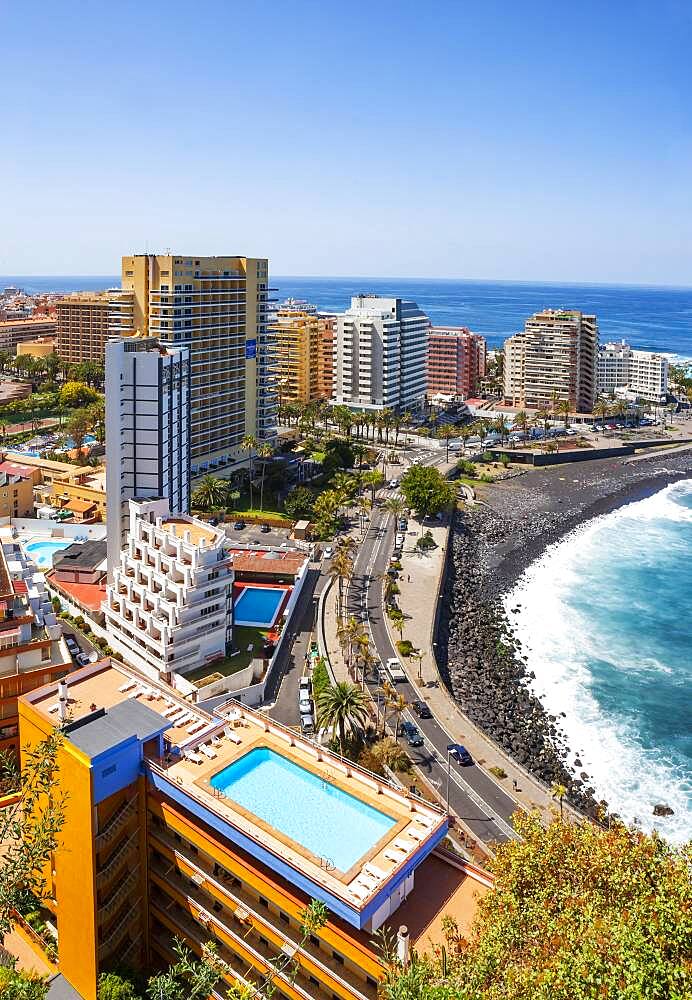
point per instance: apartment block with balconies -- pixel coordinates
(218, 308)
(83, 324)
(456, 361)
(168, 606)
(554, 360)
(625, 371)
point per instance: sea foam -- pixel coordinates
(605, 617)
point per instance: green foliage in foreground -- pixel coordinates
(17, 985)
(577, 913)
(426, 490)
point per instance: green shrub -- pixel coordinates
(320, 679)
(405, 647)
(498, 772)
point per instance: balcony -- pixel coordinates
(115, 823)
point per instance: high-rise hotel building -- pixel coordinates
(303, 370)
(553, 360)
(83, 320)
(147, 430)
(217, 307)
(380, 349)
(456, 361)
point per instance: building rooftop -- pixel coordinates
(88, 595)
(105, 729)
(81, 555)
(186, 771)
(267, 561)
(14, 469)
(197, 529)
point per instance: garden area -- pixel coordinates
(248, 641)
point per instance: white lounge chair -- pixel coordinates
(425, 821)
(359, 892)
(395, 856)
(418, 835)
(170, 712)
(207, 751)
(232, 736)
(194, 757)
(376, 872)
(368, 881)
(216, 742)
(127, 686)
(404, 845)
(177, 717)
(54, 708)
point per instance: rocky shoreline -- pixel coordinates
(490, 547)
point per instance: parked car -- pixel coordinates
(421, 710)
(238, 525)
(82, 659)
(402, 524)
(71, 644)
(265, 529)
(328, 552)
(460, 754)
(307, 725)
(304, 705)
(305, 687)
(395, 671)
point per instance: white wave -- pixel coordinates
(560, 646)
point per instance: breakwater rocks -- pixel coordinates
(484, 666)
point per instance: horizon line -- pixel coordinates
(393, 277)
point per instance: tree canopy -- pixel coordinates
(577, 913)
(76, 394)
(426, 490)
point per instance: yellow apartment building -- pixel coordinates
(62, 485)
(299, 335)
(15, 331)
(39, 348)
(222, 827)
(216, 306)
(82, 320)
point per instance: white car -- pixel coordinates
(305, 687)
(307, 724)
(328, 552)
(395, 671)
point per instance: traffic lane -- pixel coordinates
(495, 797)
(290, 666)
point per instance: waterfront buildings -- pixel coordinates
(168, 600)
(300, 352)
(148, 412)
(380, 354)
(456, 361)
(554, 360)
(15, 331)
(639, 374)
(83, 319)
(153, 848)
(217, 307)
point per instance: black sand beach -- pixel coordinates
(492, 545)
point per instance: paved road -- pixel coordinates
(289, 667)
(473, 795)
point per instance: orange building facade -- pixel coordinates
(456, 361)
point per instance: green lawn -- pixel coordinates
(243, 636)
(270, 505)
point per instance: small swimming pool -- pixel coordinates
(322, 818)
(258, 606)
(41, 553)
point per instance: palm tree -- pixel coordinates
(353, 632)
(366, 657)
(249, 444)
(563, 408)
(210, 494)
(341, 568)
(559, 791)
(601, 409)
(620, 409)
(395, 506)
(501, 426)
(390, 588)
(482, 426)
(374, 480)
(97, 415)
(543, 416)
(521, 420)
(398, 706)
(446, 432)
(364, 506)
(264, 452)
(341, 707)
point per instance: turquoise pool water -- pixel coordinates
(258, 606)
(42, 553)
(320, 817)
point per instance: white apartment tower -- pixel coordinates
(168, 606)
(147, 430)
(639, 374)
(380, 349)
(554, 360)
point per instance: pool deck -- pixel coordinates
(235, 730)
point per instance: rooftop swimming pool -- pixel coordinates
(258, 606)
(41, 553)
(323, 819)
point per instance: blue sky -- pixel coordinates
(530, 141)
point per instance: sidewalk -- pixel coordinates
(419, 583)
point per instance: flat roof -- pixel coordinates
(197, 530)
(85, 555)
(274, 561)
(105, 729)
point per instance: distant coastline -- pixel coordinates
(656, 318)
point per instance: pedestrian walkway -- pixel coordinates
(419, 583)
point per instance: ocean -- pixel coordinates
(606, 621)
(651, 318)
